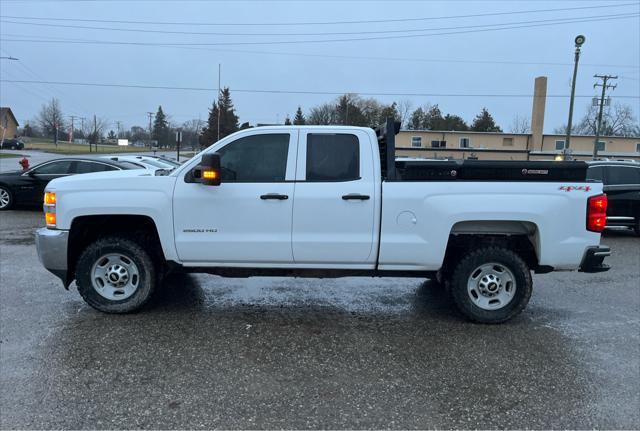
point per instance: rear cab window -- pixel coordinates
(623, 175)
(595, 173)
(332, 157)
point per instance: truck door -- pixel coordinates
(335, 199)
(246, 220)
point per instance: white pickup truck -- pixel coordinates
(325, 201)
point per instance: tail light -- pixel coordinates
(597, 213)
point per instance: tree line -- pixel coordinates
(348, 109)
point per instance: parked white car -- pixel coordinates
(147, 162)
(325, 201)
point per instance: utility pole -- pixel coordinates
(578, 42)
(95, 133)
(178, 142)
(604, 86)
(82, 127)
(197, 135)
(219, 107)
(150, 114)
(118, 123)
(73, 117)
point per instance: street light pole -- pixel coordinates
(578, 41)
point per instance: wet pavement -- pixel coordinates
(211, 352)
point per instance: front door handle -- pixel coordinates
(275, 196)
(355, 197)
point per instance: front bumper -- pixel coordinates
(52, 251)
(593, 259)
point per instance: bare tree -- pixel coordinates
(322, 114)
(520, 125)
(50, 118)
(404, 109)
(617, 120)
(190, 131)
(94, 131)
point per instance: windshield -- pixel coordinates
(130, 165)
(156, 163)
(167, 162)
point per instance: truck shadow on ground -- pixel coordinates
(416, 298)
(211, 357)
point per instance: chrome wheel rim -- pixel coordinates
(4, 198)
(491, 286)
(115, 276)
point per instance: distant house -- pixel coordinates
(8, 124)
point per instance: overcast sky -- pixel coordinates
(468, 56)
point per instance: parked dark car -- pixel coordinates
(622, 185)
(12, 144)
(27, 187)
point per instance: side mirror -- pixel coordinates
(208, 172)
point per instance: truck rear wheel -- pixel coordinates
(491, 285)
(115, 275)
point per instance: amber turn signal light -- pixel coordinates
(50, 218)
(210, 175)
(49, 198)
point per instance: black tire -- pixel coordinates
(131, 250)
(472, 261)
(9, 205)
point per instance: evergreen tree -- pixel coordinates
(454, 122)
(27, 130)
(433, 119)
(390, 111)
(160, 130)
(111, 135)
(299, 119)
(484, 122)
(349, 113)
(416, 120)
(228, 119)
(287, 121)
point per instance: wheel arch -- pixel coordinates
(86, 229)
(521, 236)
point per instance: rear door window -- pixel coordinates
(333, 157)
(89, 167)
(619, 175)
(595, 173)
(54, 168)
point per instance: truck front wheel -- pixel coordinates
(491, 285)
(115, 275)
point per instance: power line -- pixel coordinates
(192, 44)
(204, 33)
(358, 57)
(375, 21)
(386, 59)
(264, 91)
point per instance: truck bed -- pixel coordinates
(470, 170)
(484, 170)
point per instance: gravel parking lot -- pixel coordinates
(346, 353)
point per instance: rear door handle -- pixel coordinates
(355, 197)
(275, 196)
